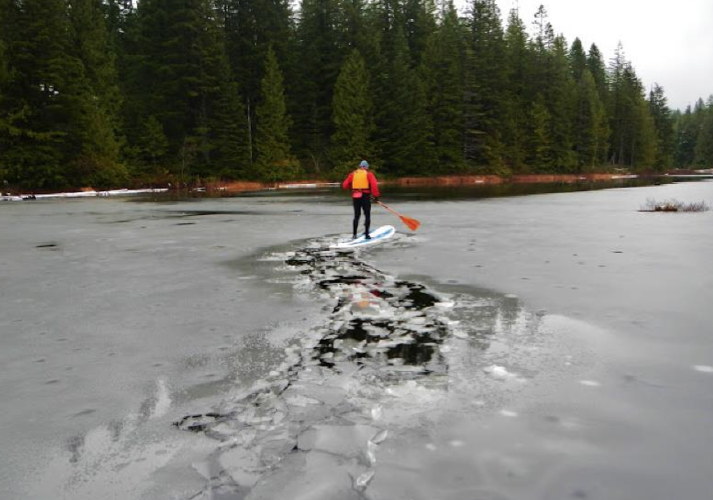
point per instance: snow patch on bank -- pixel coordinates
(81, 194)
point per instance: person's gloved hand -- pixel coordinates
(376, 199)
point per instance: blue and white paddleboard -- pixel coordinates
(377, 236)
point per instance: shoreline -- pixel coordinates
(234, 187)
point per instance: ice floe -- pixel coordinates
(703, 368)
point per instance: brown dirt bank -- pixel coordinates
(468, 180)
(450, 180)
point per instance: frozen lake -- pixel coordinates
(551, 346)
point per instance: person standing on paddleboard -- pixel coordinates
(363, 185)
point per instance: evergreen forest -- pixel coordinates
(111, 93)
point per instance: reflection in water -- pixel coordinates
(412, 192)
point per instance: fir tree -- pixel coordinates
(4, 78)
(540, 142)
(686, 130)
(405, 129)
(442, 73)
(230, 132)
(633, 140)
(663, 124)
(321, 59)
(179, 73)
(552, 77)
(152, 145)
(704, 142)
(485, 81)
(560, 96)
(272, 143)
(518, 62)
(590, 125)
(99, 145)
(51, 110)
(420, 24)
(93, 47)
(577, 60)
(597, 67)
(353, 116)
(352, 25)
(250, 27)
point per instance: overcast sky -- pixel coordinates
(668, 42)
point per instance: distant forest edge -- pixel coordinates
(109, 93)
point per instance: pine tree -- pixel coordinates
(178, 72)
(485, 81)
(321, 58)
(353, 116)
(560, 96)
(250, 27)
(56, 135)
(590, 125)
(98, 160)
(704, 142)
(230, 133)
(272, 143)
(4, 79)
(442, 73)
(352, 26)
(598, 69)
(633, 138)
(151, 146)
(686, 130)
(577, 59)
(405, 131)
(518, 61)
(420, 24)
(663, 123)
(539, 138)
(94, 47)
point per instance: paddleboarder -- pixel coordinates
(364, 186)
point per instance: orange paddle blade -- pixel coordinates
(411, 223)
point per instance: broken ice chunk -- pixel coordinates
(343, 440)
(380, 437)
(377, 412)
(363, 481)
(499, 372)
(703, 368)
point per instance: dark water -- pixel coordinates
(500, 190)
(418, 193)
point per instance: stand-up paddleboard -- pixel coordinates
(377, 236)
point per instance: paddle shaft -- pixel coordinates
(389, 209)
(411, 223)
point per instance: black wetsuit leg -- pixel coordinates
(362, 204)
(366, 206)
(357, 214)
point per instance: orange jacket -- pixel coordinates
(373, 184)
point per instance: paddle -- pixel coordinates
(411, 223)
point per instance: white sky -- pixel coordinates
(668, 42)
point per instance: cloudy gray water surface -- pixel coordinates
(548, 346)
